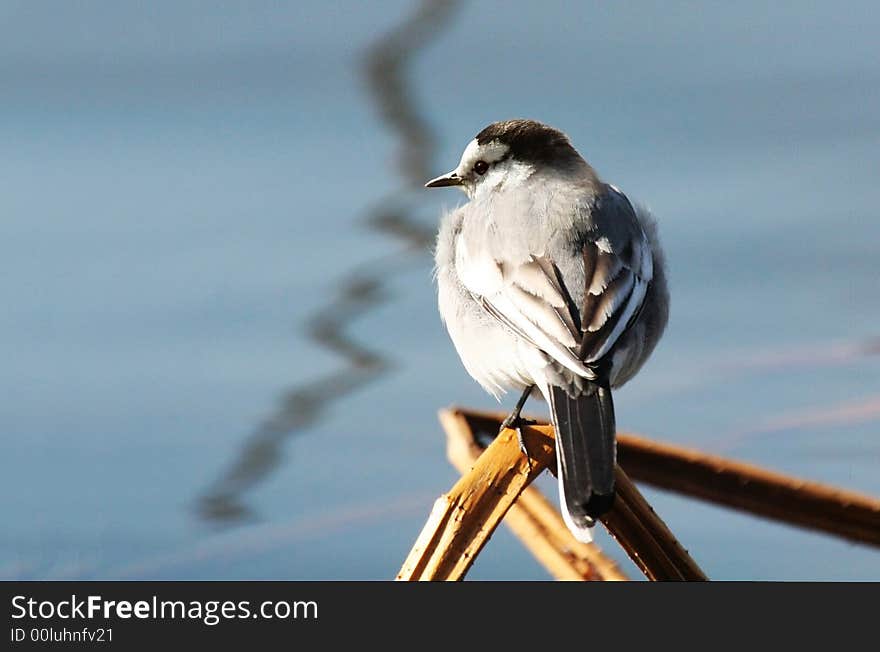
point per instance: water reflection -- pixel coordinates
(363, 289)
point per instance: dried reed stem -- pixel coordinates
(463, 519)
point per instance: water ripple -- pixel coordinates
(364, 288)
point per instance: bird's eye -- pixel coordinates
(481, 167)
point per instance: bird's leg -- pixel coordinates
(515, 421)
(514, 417)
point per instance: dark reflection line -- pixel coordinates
(386, 61)
(364, 288)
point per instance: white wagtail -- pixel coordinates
(550, 279)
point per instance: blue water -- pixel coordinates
(183, 188)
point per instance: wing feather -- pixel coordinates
(532, 300)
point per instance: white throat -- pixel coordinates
(507, 174)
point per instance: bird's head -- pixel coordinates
(508, 153)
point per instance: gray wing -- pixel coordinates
(576, 327)
(618, 267)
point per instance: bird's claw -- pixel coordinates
(522, 447)
(516, 423)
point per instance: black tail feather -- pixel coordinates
(587, 451)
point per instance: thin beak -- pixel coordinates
(450, 179)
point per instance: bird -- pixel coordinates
(552, 283)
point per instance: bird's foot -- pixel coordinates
(515, 422)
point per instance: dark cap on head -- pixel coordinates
(530, 141)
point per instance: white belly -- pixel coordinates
(492, 355)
